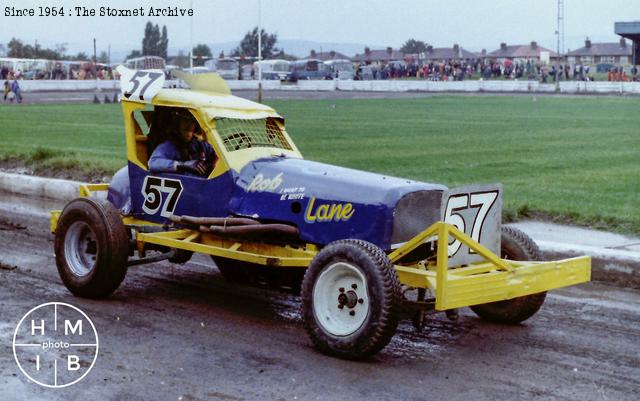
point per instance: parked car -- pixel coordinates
(340, 69)
(227, 68)
(308, 69)
(273, 69)
(365, 73)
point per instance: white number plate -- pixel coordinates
(160, 195)
(475, 210)
(140, 85)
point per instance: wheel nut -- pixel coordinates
(341, 289)
(360, 301)
(352, 313)
(354, 286)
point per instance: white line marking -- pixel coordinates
(55, 317)
(83, 345)
(55, 372)
(28, 345)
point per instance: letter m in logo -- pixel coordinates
(69, 328)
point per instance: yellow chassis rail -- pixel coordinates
(493, 280)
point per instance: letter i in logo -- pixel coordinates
(55, 345)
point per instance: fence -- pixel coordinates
(575, 87)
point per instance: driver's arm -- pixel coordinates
(164, 158)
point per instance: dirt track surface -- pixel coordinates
(181, 333)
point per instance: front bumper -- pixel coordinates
(493, 280)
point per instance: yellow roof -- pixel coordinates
(214, 104)
(209, 94)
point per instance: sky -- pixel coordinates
(474, 24)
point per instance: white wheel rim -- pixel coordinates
(80, 248)
(340, 299)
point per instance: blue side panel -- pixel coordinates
(325, 202)
(197, 196)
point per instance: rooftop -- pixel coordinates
(621, 48)
(379, 55)
(521, 51)
(448, 53)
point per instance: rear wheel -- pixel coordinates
(91, 246)
(516, 245)
(351, 299)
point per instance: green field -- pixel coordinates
(565, 159)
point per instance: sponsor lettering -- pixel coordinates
(328, 212)
(260, 184)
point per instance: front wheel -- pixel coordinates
(350, 299)
(515, 245)
(91, 246)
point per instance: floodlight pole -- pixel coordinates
(259, 52)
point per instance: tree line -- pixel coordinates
(155, 42)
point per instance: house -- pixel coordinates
(618, 53)
(325, 56)
(378, 57)
(447, 54)
(523, 53)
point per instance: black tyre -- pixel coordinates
(351, 299)
(288, 279)
(516, 245)
(91, 246)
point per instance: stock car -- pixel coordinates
(363, 250)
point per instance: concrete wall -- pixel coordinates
(374, 86)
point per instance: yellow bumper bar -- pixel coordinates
(494, 280)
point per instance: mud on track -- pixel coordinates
(181, 333)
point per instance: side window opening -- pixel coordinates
(141, 123)
(154, 125)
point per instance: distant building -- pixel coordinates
(447, 54)
(378, 57)
(630, 30)
(330, 55)
(522, 53)
(618, 53)
(481, 55)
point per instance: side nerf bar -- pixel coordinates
(493, 280)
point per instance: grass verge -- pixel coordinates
(561, 159)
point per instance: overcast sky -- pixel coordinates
(474, 24)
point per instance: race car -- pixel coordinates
(362, 249)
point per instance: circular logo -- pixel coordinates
(55, 345)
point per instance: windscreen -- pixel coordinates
(237, 134)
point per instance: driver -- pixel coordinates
(184, 152)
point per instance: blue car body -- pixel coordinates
(325, 202)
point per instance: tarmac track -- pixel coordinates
(176, 332)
